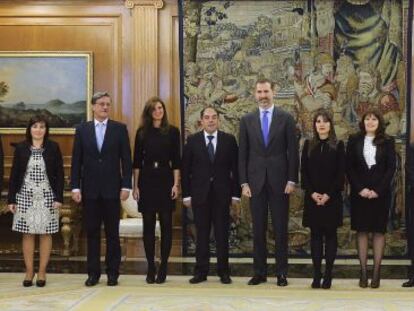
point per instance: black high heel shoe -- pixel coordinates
(327, 282)
(40, 283)
(150, 277)
(162, 274)
(316, 283)
(28, 283)
(375, 282)
(363, 279)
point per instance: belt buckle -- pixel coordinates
(155, 164)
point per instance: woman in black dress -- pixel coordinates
(156, 180)
(323, 173)
(370, 168)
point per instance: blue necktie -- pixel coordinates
(210, 148)
(265, 128)
(100, 135)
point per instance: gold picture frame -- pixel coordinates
(57, 85)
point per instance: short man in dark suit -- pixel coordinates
(268, 170)
(409, 167)
(101, 176)
(210, 185)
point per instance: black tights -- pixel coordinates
(165, 218)
(318, 237)
(378, 244)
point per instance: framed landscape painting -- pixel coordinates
(57, 85)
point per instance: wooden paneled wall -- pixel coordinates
(134, 45)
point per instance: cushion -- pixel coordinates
(130, 206)
(133, 228)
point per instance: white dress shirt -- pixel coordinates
(369, 151)
(269, 115)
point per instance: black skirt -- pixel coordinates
(155, 186)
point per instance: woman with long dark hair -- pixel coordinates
(323, 172)
(156, 181)
(36, 194)
(371, 163)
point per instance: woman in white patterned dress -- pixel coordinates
(36, 194)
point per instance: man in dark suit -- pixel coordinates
(409, 166)
(101, 176)
(268, 170)
(210, 185)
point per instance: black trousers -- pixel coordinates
(96, 212)
(278, 204)
(321, 237)
(150, 220)
(215, 212)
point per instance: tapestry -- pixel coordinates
(342, 55)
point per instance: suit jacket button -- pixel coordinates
(211, 178)
(100, 160)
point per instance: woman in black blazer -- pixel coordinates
(371, 163)
(36, 194)
(156, 180)
(323, 173)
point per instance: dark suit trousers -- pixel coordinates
(214, 212)
(279, 210)
(96, 211)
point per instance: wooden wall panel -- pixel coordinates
(134, 45)
(72, 30)
(169, 70)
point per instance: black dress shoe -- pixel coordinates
(27, 283)
(257, 279)
(40, 283)
(91, 281)
(282, 280)
(409, 283)
(112, 281)
(198, 278)
(225, 279)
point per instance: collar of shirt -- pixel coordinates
(269, 116)
(104, 122)
(270, 109)
(213, 141)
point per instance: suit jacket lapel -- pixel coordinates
(275, 122)
(107, 135)
(360, 150)
(219, 146)
(92, 135)
(258, 127)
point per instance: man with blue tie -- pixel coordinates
(100, 177)
(210, 185)
(268, 171)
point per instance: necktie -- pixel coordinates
(265, 127)
(100, 135)
(210, 148)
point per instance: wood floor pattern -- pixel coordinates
(67, 292)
